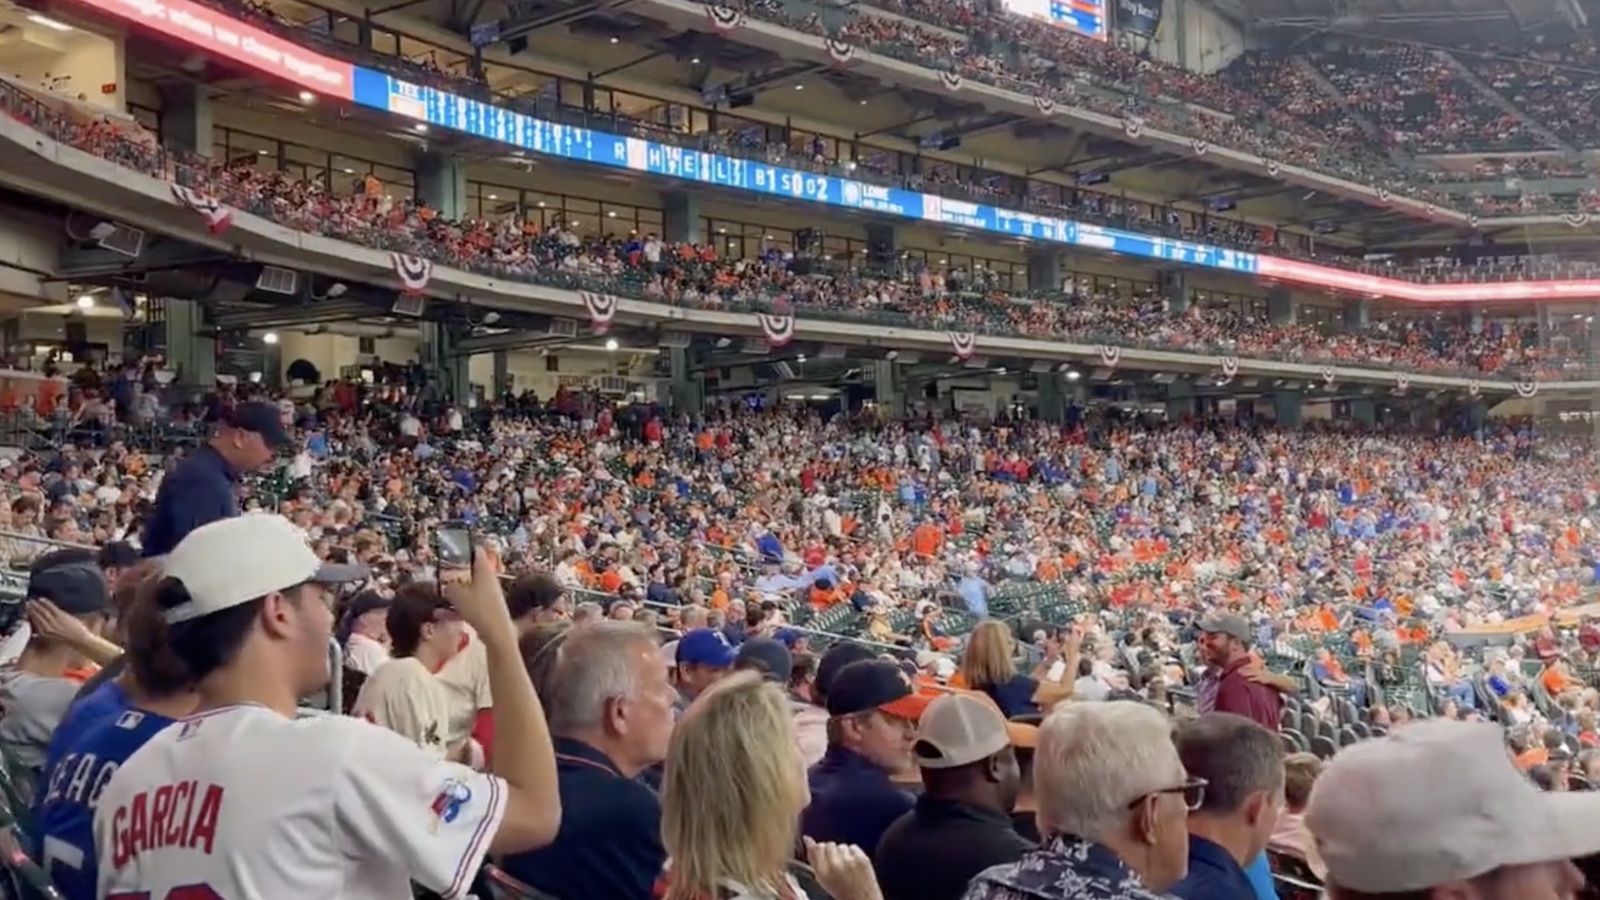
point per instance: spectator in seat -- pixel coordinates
(988, 665)
(961, 824)
(1242, 765)
(156, 690)
(811, 721)
(873, 712)
(767, 657)
(404, 694)
(611, 711)
(1225, 644)
(703, 656)
(1290, 837)
(203, 487)
(68, 604)
(1436, 810)
(1113, 804)
(732, 838)
(1328, 672)
(365, 628)
(337, 805)
(537, 598)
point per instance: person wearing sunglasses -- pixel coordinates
(1114, 801)
(1242, 764)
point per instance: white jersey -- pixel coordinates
(466, 678)
(406, 698)
(240, 803)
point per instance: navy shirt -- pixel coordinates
(1015, 697)
(609, 846)
(1213, 875)
(198, 491)
(852, 801)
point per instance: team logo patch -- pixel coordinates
(449, 803)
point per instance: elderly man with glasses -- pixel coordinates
(1114, 801)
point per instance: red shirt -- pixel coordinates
(1239, 695)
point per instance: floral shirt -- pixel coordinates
(1065, 868)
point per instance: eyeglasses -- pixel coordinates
(1193, 792)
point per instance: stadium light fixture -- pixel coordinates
(269, 338)
(611, 344)
(85, 302)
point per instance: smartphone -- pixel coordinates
(453, 547)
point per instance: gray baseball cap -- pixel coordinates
(1232, 625)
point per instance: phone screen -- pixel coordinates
(454, 547)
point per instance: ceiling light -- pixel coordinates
(799, 87)
(695, 61)
(48, 22)
(270, 337)
(307, 96)
(421, 127)
(85, 301)
(611, 343)
(613, 40)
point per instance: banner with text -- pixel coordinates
(1139, 17)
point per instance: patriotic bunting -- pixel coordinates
(217, 216)
(724, 18)
(1402, 383)
(415, 272)
(602, 308)
(1109, 355)
(1200, 148)
(951, 81)
(964, 343)
(1328, 378)
(1526, 389)
(1230, 368)
(1045, 105)
(840, 52)
(777, 328)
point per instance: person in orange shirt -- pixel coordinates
(1556, 679)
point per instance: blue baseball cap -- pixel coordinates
(706, 647)
(789, 636)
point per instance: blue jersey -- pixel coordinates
(106, 701)
(63, 816)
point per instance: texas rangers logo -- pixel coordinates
(447, 806)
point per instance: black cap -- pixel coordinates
(263, 419)
(118, 555)
(767, 656)
(359, 605)
(874, 684)
(837, 657)
(72, 580)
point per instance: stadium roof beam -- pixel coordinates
(898, 127)
(556, 18)
(280, 316)
(511, 340)
(982, 124)
(1136, 161)
(1356, 21)
(623, 67)
(776, 77)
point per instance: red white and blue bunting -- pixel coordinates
(1230, 368)
(1474, 388)
(840, 52)
(1109, 355)
(1402, 383)
(602, 308)
(1273, 168)
(1329, 378)
(964, 343)
(952, 82)
(1200, 147)
(1525, 389)
(1132, 126)
(724, 18)
(777, 328)
(217, 216)
(414, 271)
(1044, 104)
(1576, 220)
(1383, 195)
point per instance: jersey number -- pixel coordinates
(182, 892)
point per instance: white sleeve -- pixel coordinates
(431, 818)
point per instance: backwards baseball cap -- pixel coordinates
(262, 418)
(1226, 623)
(874, 684)
(72, 580)
(706, 647)
(1440, 801)
(767, 656)
(230, 562)
(962, 728)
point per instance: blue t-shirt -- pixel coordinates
(63, 814)
(1260, 874)
(106, 701)
(1015, 697)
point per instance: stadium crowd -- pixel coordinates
(645, 267)
(974, 634)
(1282, 108)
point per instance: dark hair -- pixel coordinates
(1235, 756)
(212, 641)
(414, 606)
(533, 593)
(541, 648)
(69, 556)
(151, 654)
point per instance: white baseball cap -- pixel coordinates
(232, 561)
(1440, 801)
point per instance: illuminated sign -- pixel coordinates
(1086, 17)
(278, 58)
(227, 38)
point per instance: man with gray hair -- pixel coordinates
(1242, 765)
(609, 702)
(1113, 802)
